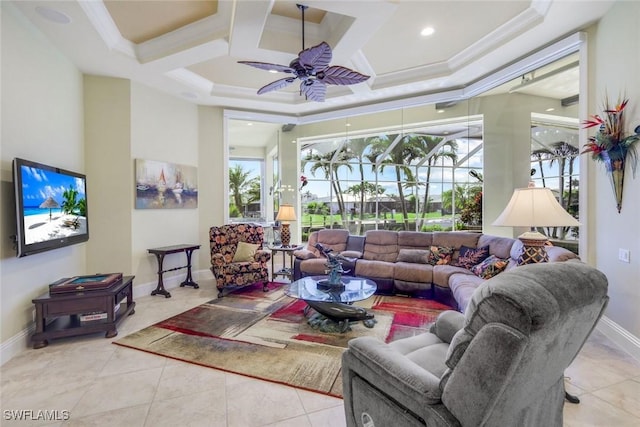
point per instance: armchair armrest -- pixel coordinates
(304, 254)
(447, 325)
(262, 256)
(351, 254)
(374, 360)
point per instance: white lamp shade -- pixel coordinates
(534, 207)
(286, 213)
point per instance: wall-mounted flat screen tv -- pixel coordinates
(51, 207)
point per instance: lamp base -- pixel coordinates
(285, 235)
(533, 248)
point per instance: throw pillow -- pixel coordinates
(490, 267)
(245, 252)
(415, 256)
(469, 257)
(440, 255)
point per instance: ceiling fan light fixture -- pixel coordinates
(312, 68)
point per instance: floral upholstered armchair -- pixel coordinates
(237, 256)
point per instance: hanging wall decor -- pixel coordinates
(611, 147)
(165, 185)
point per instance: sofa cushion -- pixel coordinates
(490, 267)
(416, 256)
(440, 255)
(456, 239)
(498, 246)
(381, 245)
(410, 272)
(469, 257)
(441, 274)
(462, 286)
(414, 239)
(335, 239)
(314, 266)
(372, 268)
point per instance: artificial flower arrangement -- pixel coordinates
(610, 145)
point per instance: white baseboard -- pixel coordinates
(16, 344)
(620, 336)
(22, 340)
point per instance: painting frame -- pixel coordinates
(165, 185)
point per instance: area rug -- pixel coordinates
(266, 335)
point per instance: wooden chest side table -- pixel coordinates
(65, 311)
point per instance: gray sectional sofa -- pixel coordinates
(400, 262)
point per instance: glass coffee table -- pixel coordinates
(335, 302)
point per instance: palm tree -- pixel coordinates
(561, 151)
(540, 155)
(70, 202)
(426, 145)
(399, 154)
(355, 150)
(239, 184)
(323, 162)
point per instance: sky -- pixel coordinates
(38, 184)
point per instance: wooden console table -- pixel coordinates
(66, 309)
(166, 250)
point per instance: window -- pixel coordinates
(246, 185)
(394, 180)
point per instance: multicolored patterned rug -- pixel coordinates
(265, 335)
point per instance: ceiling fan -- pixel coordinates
(312, 68)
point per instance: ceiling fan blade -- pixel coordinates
(316, 57)
(338, 75)
(269, 67)
(313, 90)
(278, 84)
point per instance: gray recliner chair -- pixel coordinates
(500, 364)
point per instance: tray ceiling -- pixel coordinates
(190, 48)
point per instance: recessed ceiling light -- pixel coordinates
(53, 15)
(440, 111)
(249, 124)
(273, 71)
(550, 109)
(348, 125)
(427, 31)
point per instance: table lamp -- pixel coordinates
(286, 214)
(534, 207)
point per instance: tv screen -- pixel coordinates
(51, 207)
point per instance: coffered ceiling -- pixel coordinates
(190, 48)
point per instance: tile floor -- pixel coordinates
(101, 384)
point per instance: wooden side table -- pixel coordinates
(166, 250)
(66, 310)
(284, 271)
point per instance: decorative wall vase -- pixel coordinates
(611, 147)
(614, 160)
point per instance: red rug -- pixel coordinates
(265, 335)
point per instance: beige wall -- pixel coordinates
(41, 121)
(107, 125)
(163, 128)
(614, 68)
